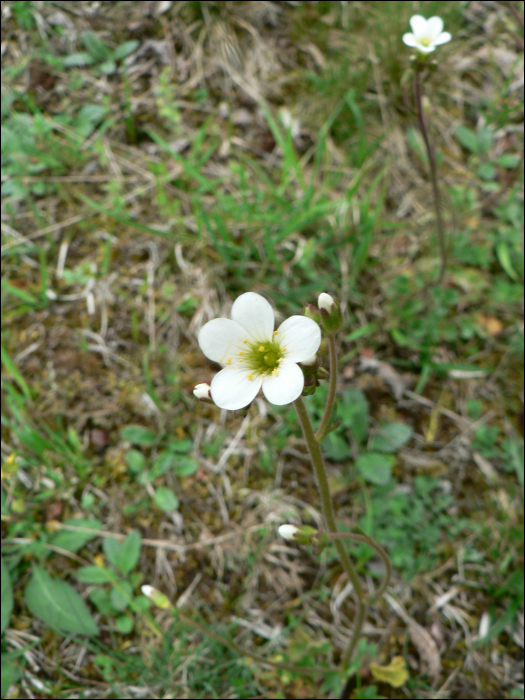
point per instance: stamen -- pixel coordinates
(229, 361)
(241, 352)
(275, 371)
(262, 348)
(275, 332)
(250, 377)
(244, 341)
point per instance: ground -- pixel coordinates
(158, 160)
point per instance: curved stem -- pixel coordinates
(330, 399)
(326, 504)
(375, 545)
(433, 174)
(307, 670)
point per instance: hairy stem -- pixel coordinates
(330, 399)
(328, 514)
(433, 173)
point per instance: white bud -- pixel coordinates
(202, 391)
(156, 597)
(325, 302)
(288, 531)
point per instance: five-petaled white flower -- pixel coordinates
(255, 356)
(426, 34)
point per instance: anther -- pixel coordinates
(229, 361)
(261, 348)
(250, 377)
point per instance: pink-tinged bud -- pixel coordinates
(310, 362)
(311, 312)
(203, 393)
(331, 318)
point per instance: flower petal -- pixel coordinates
(284, 387)
(443, 38)
(426, 49)
(221, 338)
(419, 25)
(434, 28)
(231, 388)
(301, 337)
(255, 315)
(409, 39)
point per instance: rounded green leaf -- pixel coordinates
(135, 461)
(166, 499)
(391, 437)
(93, 574)
(375, 467)
(138, 435)
(186, 466)
(124, 624)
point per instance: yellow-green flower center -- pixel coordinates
(262, 357)
(425, 41)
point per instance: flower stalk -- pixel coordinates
(418, 67)
(328, 514)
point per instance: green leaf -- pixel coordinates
(467, 138)
(186, 466)
(503, 253)
(7, 596)
(79, 59)
(120, 597)
(125, 49)
(486, 172)
(135, 461)
(93, 574)
(10, 674)
(108, 67)
(335, 447)
(507, 160)
(353, 411)
(95, 47)
(485, 138)
(183, 446)
(124, 624)
(375, 467)
(166, 499)
(138, 435)
(73, 541)
(391, 438)
(58, 604)
(129, 552)
(112, 548)
(164, 462)
(12, 369)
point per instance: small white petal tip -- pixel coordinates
(325, 301)
(288, 531)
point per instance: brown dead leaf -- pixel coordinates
(491, 324)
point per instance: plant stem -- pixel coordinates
(375, 545)
(433, 172)
(328, 514)
(330, 399)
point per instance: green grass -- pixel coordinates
(140, 196)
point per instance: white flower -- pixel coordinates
(426, 34)
(288, 531)
(255, 356)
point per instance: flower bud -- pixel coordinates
(304, 535)
(331, 318)
(203, 392)
(311, 312)
(310, 363)
(156, 597)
